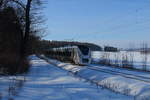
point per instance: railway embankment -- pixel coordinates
(136, 84)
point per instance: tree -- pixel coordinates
(10, 39)
(30, 18)
(144, 55)
(27, 28)
(25, 19)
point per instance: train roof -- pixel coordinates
(61, 48)
(69, 47)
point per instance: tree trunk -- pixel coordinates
(27, 29)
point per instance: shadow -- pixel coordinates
(11, 87)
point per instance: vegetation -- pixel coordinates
(17, 34)
(45, 44)
(110, 49)
(126, 59)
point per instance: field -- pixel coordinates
(132, 60)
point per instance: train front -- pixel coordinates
(85, 55)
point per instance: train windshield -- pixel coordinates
(84, 49)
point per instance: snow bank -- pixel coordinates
(140, 90)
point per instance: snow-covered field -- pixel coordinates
(140, 90)
(137, 58)
(48, 82)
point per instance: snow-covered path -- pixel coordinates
(47, 82)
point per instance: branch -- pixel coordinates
(20, 3)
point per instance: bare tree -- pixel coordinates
(30, 20)
(28, 17)
(27, 28)
(144, 53)
(131, 59)
(125, 60)
(116, 59)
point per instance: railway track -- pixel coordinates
(123, 74)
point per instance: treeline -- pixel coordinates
(110, 49)
(18, 34)
(46, 44)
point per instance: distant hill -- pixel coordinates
(55, 44)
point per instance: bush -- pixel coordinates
(12, 64)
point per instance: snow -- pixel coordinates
(137, 57)
(138, 89)
(48, 82)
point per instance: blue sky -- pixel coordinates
(104, 22)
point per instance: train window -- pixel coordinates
(85, 60)
(84, 49)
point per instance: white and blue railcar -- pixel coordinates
(80, 55)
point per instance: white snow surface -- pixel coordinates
(138, 89)
(137, 57)
(48, 82)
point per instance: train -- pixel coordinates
(79, 55)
